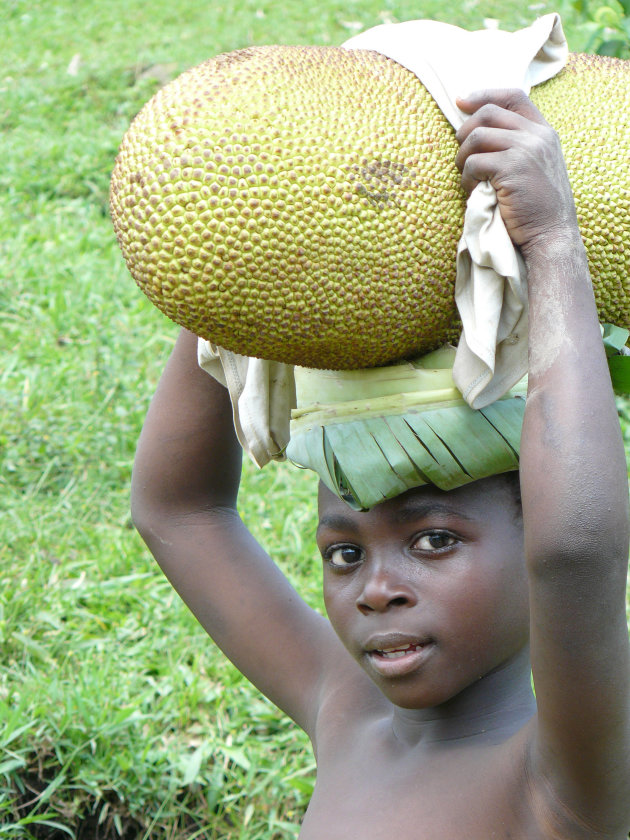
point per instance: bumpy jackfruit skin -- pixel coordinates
(297, 204)
(301, 204)
(588, 104)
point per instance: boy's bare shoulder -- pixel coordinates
(370, 783)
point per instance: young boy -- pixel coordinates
(416, 694)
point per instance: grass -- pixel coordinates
(118, 718)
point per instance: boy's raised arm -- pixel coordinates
(573, 469)
(184, 488)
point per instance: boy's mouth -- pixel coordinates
(395, 657)
(396, 652)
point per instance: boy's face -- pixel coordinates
(427, 591)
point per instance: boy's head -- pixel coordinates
(428, 591)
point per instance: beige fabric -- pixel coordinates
(491, 289)
(262, 395)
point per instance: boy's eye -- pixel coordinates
(434, 540)
(343, 555)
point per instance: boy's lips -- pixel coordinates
(395, 655)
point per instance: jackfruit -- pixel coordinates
(302, 204)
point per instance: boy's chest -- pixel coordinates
(368, 788)
(376, 799)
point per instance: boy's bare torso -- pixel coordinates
(370, 784)
(376, 788)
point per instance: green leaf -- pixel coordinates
(613, 48)
(11, 736)
(41, 821)
(51, 788)
(619, 367)
(305, 786)
(11, 764)
(579, 6)
(378, 457)
(614, 338)
(607, 16)
(193, 766)
(38, 650)
(595, 36)
(237, 755)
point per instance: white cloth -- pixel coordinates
(491, 287)
(262, 395)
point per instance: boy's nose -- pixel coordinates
(384, 589)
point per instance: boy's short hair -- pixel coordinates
(512, 481)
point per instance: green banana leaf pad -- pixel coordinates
(373, 434)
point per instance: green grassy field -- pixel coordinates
(118, 718)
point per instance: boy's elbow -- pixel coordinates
(148, 506)
(597, 544)
(143, 515)
(158, 511)
(155, 527)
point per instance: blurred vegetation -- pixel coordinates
(603, 28)
(118, 717)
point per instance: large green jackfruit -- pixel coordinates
(302, 204)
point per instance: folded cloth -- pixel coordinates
(490, 289)
(262, 395)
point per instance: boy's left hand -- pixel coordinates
(507, 141)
